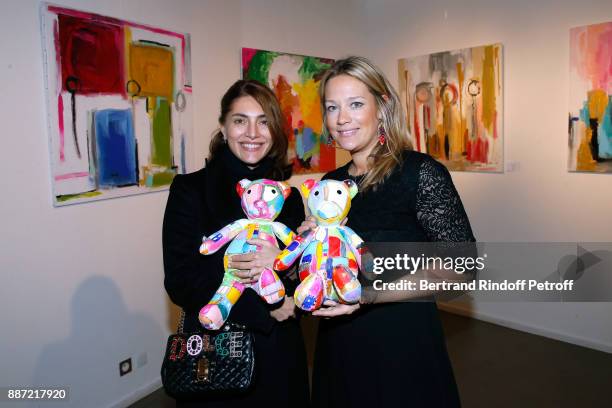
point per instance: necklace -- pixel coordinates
(352, 171)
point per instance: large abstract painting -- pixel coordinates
(453, 103)
(119, 105)
(295, 81)
(590, 110)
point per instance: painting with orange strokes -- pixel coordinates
(119, 104)
(295, 81)
(590, 110)
(454, 105)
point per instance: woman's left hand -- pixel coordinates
(251, 265)
(335, 309)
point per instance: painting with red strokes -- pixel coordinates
(295, 81)
(91, 51)
(119, 103)
(590, 110)
(453, 102)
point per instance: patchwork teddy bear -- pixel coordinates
(331, 253)
(262, 201)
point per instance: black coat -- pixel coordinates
(199, 204)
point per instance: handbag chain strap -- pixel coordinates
(181, 323)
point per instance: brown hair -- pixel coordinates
(281, 168)
(386, 157)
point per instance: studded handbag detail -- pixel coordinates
(208, 362)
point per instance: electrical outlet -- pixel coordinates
(142, 359)
(125, 367)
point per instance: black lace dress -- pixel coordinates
(393, 354)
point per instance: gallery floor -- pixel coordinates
(501, 367)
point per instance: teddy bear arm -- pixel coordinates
(357, 245)
(295, 248)
(283, 233)
(218, 239)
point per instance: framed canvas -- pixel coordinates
(119, 101)
(454, 106)
(590, 110)
(295, 81)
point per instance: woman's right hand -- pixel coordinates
(333, 309)
(308, 224)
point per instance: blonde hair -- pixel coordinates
(389, 155)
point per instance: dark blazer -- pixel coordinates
(199, 204)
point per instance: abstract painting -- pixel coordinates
(453, 103)
(590, 110)
(119, 105)
(295, 81)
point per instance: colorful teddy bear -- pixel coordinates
(262, 201)
(331, 252)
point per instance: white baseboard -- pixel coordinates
(138, 394)
(464, 310)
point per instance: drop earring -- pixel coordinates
(382, 136)
(330, 140)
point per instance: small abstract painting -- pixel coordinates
(119, 105)
(295, 81)
(454, 106)
(590, 110)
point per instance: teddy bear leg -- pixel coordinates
(309, 294)
(269, 286)
(346, 284)
(215, 313)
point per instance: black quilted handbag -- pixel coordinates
(208, 362)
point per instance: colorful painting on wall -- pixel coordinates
(119, 105)
(590, 110)
(453, 103)
(295, 81)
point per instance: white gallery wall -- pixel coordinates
(82, 285)
(539, 201)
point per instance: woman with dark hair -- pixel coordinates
(385, 351)
(250, 144)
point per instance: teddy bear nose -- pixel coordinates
(260, 204)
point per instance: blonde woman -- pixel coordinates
(384, 352)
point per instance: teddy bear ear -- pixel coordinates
(285, 187)
(306, 187)
(352, 186)
(241, 185)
